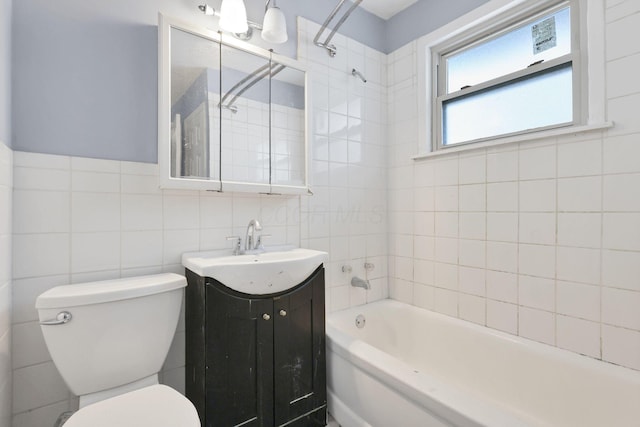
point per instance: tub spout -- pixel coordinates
(360, 283)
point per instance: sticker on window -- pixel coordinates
(544, 35)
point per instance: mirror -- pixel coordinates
(232, 117)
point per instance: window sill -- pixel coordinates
(514, 139)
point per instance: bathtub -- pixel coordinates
(411, 367)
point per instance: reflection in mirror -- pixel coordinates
(195, 93)
(288, 165)
(231, 116)
(245, 117)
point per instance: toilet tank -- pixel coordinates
(120, 330)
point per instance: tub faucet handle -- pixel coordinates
(347, 269)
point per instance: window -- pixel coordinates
(520, 74)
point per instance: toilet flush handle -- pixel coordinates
(62, 318)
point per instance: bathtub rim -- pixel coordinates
(454, 404)
(449, 403)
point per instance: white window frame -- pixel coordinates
(492, 17)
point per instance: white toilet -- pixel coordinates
(109, 340)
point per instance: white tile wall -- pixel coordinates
(6, 176)
(96, 219)
(347, 215)
(540, 239)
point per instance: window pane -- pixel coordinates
(544, 39)
(538, 101)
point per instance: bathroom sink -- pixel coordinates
(265, 272)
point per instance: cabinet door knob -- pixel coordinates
(283, 313)
(266, 316)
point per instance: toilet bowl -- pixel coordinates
(109, 340)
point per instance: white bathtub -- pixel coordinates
(411, 367)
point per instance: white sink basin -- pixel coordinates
(261, 273)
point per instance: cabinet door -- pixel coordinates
(299, 352)
(239, 360)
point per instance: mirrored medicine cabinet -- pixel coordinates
(231, 116)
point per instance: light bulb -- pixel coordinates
(233, 16)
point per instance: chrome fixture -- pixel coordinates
(259, 244)
(360, 283)
(237, 242)
(233, 18)
(357, 73)
(62, 318)
(331, 49)
(347, 269)
(369, 266)
(360, 321)
(249, 237)
(249, 81)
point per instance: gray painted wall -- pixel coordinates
(422, 18)
(5, 71)
(84, 74)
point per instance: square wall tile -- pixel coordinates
(95, 251)
(36, 386)
(537, 325)
(141, 249)
(578, 335)
(538, 196)
(621, 307)
(472, 308)
(537, 260)
(472, 225)
(472, 169)
(621, 231)
(538, 228)
(92, 212)
(502, 286)
(580, 158)
(502, 316)
(621, 193)
(40, 211)
(538, 163)
(502, 166)
(502, 256)
(445, 302)
(578, 300)
(621, 269)
(621, 346)
(502, 227)
(537, 292)
(502, 197)
(51, 251)
(472, 281)
(580, 229)
(580, 194)
(472, 198)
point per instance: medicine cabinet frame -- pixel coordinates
(218, 183)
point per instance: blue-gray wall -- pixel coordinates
(84, 73)
(422, 18)
(5, 71)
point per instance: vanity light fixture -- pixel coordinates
(274, 26)
(233, 18)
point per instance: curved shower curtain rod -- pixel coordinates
(331, 49)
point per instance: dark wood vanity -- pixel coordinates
(256, 360)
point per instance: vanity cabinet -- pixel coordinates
(256, 360)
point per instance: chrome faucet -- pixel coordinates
(249, 238)
(360, 283)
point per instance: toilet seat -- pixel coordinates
(153, 406)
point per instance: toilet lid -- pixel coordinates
(153, 406)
